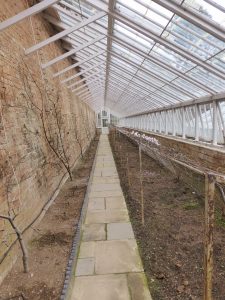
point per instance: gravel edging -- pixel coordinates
(77, 239)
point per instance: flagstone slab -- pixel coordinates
(101, 287)
(106, 216)
(113, 179)
(109, 172)
(94, 232)
(115, 203)
(85, 266)
(97, 172)
(87, 249)
(117, 257)
(105, 187)
(119, 231)
(97, 194)
(138, 286)
(96, 203)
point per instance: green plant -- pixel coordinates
(191, 205)
(219, 219)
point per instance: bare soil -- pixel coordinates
(171, 240)
(52, 240)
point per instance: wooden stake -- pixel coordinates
(141, 186)
(209, 225)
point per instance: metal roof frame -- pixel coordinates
(134, 64)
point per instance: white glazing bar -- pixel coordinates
(160, 122)
(173, 123)
(158, 39)
(82, 93)
(154, 128)
(97, 73)
(183, 123)
(154, 75)
(69, 53)
(201, 100)
(82, 72)
(96, 80)
(146, 122)
(221, 118)
(164, 65)
(166, 122)
(214, 123)
(92, 96)
(197, 122)
(27, 13)
(193, 17)
(79, 63)
(64, 33)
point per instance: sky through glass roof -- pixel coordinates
(146, 54)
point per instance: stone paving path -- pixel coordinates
(109, 266)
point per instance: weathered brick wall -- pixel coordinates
(205, 155)
(35, 109)
(193, 154)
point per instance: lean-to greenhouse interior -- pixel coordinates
(112, 149)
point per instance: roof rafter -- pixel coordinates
(64, 33)
(27, 13)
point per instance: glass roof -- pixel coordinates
(148, 53)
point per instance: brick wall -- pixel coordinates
(35, 109)
(210, 157)
(195, 154)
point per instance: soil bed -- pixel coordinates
(171, 241)
(50, 246)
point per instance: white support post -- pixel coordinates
(215, 124)
(183, 123)
(155, 122)
(166, 122)
(160, 122)
(27, 13)
(173, 122)
(221, 119)
(196, 122)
